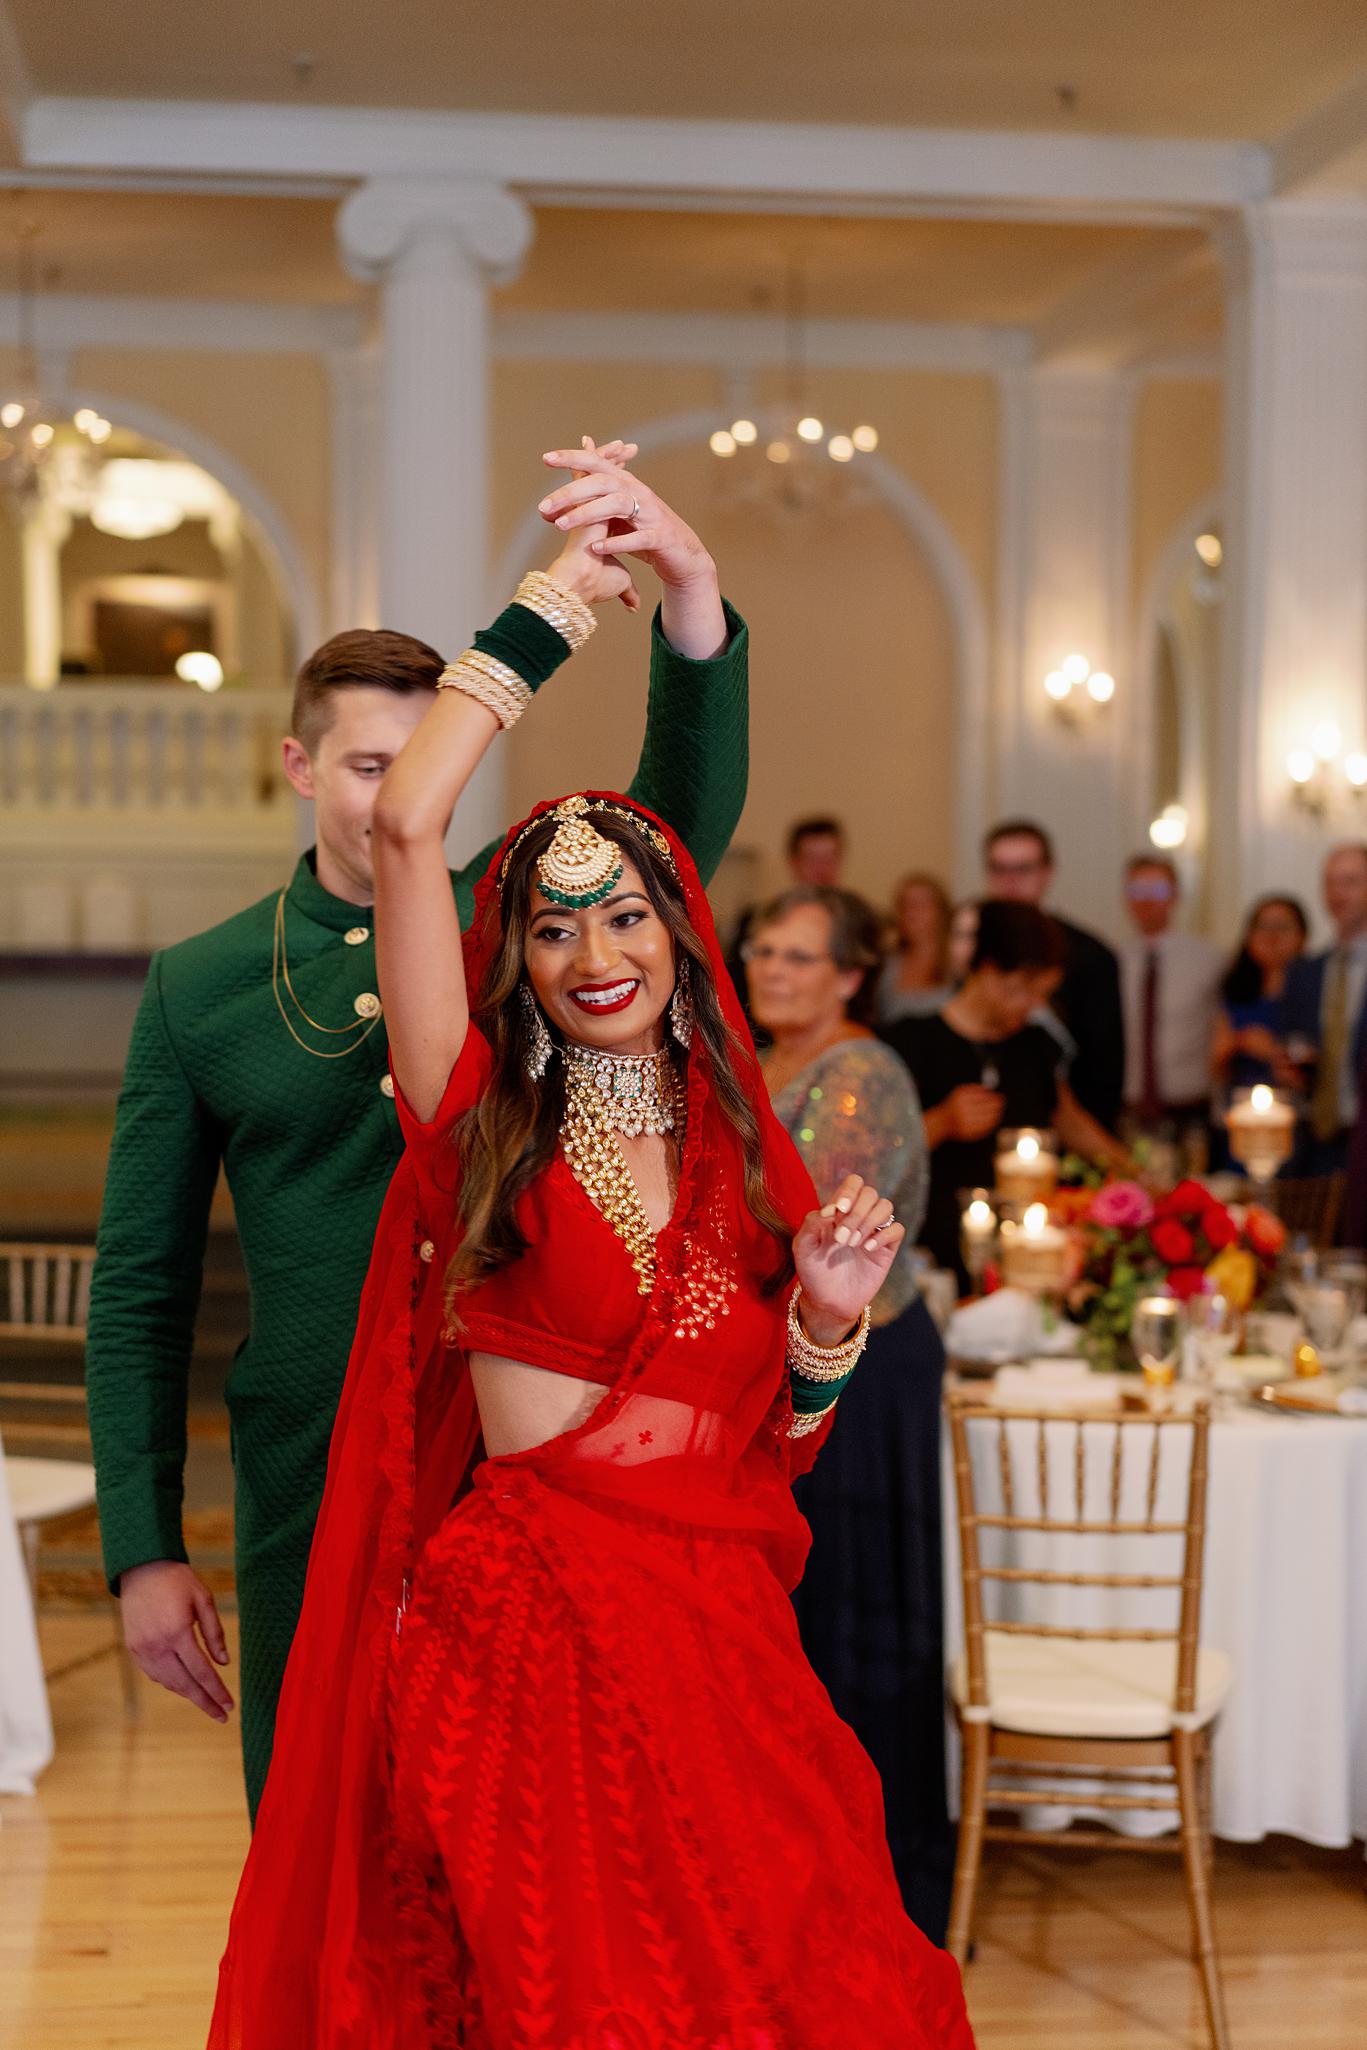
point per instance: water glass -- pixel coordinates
(1156, 1335)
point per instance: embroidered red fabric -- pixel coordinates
(551, 1771)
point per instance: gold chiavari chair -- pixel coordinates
(46, 1301)
(1051, 1710)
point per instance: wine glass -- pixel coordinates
(1156, 1335)
(1214, 1325)
(1326, 1307)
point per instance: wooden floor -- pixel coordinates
(115, 1885)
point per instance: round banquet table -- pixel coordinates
(25, 1724)
(1285, 1596)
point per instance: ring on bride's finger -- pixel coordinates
(635, 512)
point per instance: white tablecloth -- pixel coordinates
(25, 1724)
(1285, 1597)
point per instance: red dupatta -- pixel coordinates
(701, 1402)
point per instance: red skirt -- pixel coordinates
(626, 1816)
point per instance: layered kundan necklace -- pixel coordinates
(607, 1094)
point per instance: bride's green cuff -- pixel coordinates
(810, 1397)
(526, 643)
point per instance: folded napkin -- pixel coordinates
(1006, 1326)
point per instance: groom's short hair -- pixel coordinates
(364, 658)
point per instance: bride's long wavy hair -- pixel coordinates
(510, 1135)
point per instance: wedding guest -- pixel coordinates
(1019, 857)
(1323, 1009)
(869, 1601)
(915, 976)
(815, 854)
(981, 1063)
(963, 937)
(1169, 984)
(1246, 1046)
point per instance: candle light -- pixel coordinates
(1035, 1253)
(977, 1231)
(1261, 1123)
(1026, 1165)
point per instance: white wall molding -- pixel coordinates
(753, 162)
(91, 320)
(284, 558)
(1156, 612)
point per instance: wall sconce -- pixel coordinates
(1075, 683)
(1321, 772)
(1169, 830)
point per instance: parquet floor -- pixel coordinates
(115, 1884)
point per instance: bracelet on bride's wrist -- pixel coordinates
(823, 1363)
(495, 685)
(562, 609)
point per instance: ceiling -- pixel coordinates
(1226, 69)
(1024, 274)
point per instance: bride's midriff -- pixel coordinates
(521, 1406)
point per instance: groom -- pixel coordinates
(260, 1047)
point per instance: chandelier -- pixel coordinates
(792, 439)
(30, 421)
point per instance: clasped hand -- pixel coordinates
(842, 1254)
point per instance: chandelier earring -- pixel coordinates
(681, 1006)
(541, 1046)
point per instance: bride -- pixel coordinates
(552, 1772)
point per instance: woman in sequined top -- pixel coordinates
(869, 1604)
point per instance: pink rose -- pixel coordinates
(1121, 1206)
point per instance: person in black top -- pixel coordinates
(1019, 856)
(979, 1064)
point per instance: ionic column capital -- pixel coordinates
(390, 219)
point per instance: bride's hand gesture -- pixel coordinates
(842, 1254)
(581, 566)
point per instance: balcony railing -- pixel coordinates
(133, 748)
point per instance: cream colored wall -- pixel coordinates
(853, 667)
(1178, 460)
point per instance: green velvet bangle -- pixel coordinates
(522, 639)
(811, 1396)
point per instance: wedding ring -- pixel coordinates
(635, 512)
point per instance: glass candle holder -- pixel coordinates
(1035, 1253)
(977, 1232)
(1261, 1123)
(1026, 1165)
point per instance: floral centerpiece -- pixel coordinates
(1130, 1243)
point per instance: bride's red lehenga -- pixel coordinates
(551, 1771)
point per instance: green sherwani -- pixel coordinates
(308, 1146)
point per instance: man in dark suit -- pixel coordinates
(1019, 858)
(1324, 1016)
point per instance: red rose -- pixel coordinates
(1172, 1242)
(1186, 1282)
(1188, 1199)
(1219, 1228)
(1265, 1233)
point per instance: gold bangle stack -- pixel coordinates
(824, 1363)
(490, 683)
(572, 619)
(803, 1425)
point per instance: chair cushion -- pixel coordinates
(1087, 1687)
(42, 1488)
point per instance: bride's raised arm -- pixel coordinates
(417, 925)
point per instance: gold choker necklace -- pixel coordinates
(636, 1092)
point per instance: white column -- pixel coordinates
(354, 593)
(1295, 610)
(1064, 577)
(46, 526)
(435, 245)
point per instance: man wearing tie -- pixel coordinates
(1323, 1009)
(1169, 983)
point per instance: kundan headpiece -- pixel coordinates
(581, 866)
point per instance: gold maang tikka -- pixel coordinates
(581, 866)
